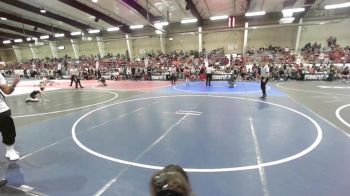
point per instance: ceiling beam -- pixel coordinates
(48, 14)
(34, 24)
(84, 8)
(307, 5)
(289, 3)
(11, 36)
(248, 2)
(206, 5)
(22, 31)
(146, 14)
(192, 7)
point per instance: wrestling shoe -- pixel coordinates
(11, 153)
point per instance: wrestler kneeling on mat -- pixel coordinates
(33, 96)
(232, 80)
(103, 81)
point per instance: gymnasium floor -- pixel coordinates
(110, 140)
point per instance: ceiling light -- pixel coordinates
(43, 11)
(335, 6)
(18, 40)
(136, 27)
(59, 35)
(159, 32)
(60, 47)
(94, 31)
(160, 24)
(186, 21)
(76, 33)
(44, 37)
(6, 42)
(261, 13)
(171, 39)
(113, 29)
(29, 39)
(292, 10)
(286, 20)
(218, 17)
(3, 18)
(95, 1)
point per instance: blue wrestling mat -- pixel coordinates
(222, 87)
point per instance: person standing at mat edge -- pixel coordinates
(77, 74)
(173, 73)
(71, 73)
(265, 71)
(7, 126)
(209, 72)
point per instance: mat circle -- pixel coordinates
(206, 170)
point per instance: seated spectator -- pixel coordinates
(345, 73)
(172, 180)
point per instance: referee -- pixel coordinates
(209, 72)
(265, 71)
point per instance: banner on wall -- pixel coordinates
(221, 76)
(160, 77)
(318, 76)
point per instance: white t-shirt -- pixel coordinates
(75, 72)
(265, 71)
(209, 70)
(3, 106)
(173, 70)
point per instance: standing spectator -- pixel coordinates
(133, 70)
(149, 72)
(99, 74)
(187, 74)
(7, 126)
(173, 73)
(201, 73)
(265, 71)
(59, 70)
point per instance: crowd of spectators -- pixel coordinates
(283, 64)
(333, 52)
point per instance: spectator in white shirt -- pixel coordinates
(265, 71)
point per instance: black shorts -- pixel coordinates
(33, 94)
(6, 113)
